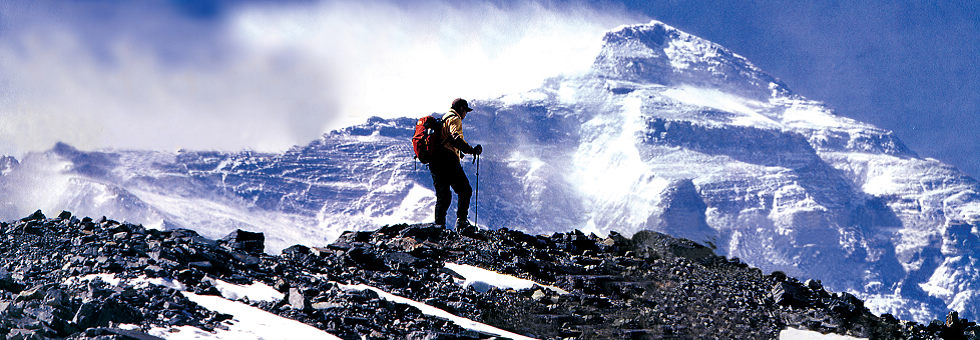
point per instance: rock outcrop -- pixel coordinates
(58, 279)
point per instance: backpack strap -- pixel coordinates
(446, 120)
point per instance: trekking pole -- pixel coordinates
(476, 216)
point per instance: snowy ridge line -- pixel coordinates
(433, 311)
(476, 276)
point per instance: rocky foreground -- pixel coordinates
(647, 286)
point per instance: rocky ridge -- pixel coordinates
(57, 281)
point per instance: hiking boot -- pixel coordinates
(465, 227)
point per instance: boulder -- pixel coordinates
(8, 283)
(245, 241)
(36, 216)
(789, 294)
(365, 258)
(296, 299)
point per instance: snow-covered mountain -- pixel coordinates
(667, 132)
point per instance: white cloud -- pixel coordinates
(284, 75)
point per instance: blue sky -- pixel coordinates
(262, 75)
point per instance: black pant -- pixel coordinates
(447, 173)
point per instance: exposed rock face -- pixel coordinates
(648, 286)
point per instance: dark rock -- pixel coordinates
(8, 283)
(778, 276)
(471, 231)
(246, 259)
(85, 316)
(392, 229)
(117, 312)
(814, 285)
(400, 258)
(248, 242)
(362, 236)
(420, 233)
(154, 271)
(647, 241)
(202, 265)
(36, 216)
(126, 228)
(281, 286)
(55, 297)
(296, 250)
(789, 294)
(33, 293)
(190, 277)
(364, 258)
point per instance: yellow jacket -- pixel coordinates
(452, 127)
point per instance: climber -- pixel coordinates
(445, 167)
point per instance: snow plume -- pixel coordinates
(94, 87)
(266, 76)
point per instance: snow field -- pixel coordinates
(478, 278)
(800, 334)
(250, 323)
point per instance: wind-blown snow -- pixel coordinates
(419, 199)
(478, 277)
(810, 116)
(611, 172)
(719, 100)
(215, 217)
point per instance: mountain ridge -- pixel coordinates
(668, 132)
(85, 278)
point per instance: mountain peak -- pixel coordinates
(661, 54)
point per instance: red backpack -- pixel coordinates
(426, 140)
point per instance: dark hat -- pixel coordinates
(460, 103)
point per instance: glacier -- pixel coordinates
(666, 132)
